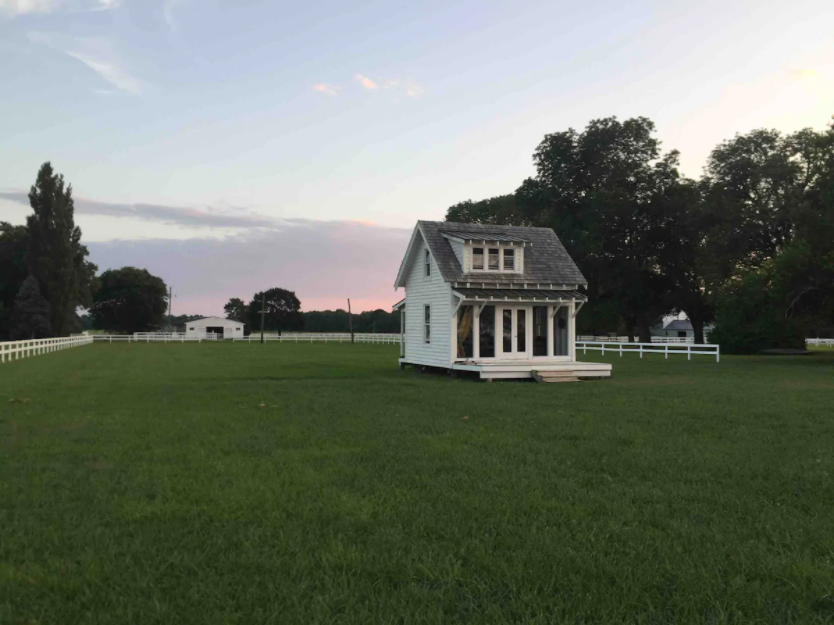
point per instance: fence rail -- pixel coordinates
(15, 350)
(689, 349)
(335, 337)
(127, 338)
(819, 342)
(627, 339)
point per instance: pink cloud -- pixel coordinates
(366, 82)
(326, 89)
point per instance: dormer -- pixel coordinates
(480, 252)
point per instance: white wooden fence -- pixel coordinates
(819, 342)
(322, 337)
(127, 338)
(627, 339)
(650, 348)
(15, 350)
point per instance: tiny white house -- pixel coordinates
(223, 328)
(498, 300)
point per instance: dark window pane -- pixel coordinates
(509, 260)
(486, 332)
(508, 331)
(521, 338)
(493, 259)
(539, 330)
(465, 334)
(560, 332)
(477, 258)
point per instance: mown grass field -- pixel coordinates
(319, 484)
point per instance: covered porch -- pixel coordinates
(514, 333)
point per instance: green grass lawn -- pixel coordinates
(319, 483)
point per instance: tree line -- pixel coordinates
(283, 313)
(749, 246)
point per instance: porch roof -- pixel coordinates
(519, 295)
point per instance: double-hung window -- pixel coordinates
(509, 260)
(492, 259)
(427, 324)
(478, 258)
(428, 264)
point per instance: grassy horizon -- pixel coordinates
(210, 483)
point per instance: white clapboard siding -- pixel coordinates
(421, 290)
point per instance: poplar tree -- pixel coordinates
(56, 257)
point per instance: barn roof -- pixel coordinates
(545, 259)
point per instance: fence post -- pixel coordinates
(666, 350)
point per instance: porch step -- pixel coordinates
(555, 376)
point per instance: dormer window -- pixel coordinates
(509, 260)
(477, 259)
(494, 259)
(500, 259)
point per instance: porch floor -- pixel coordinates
(509, 369)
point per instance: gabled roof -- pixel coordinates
(545, 259)
(679, 324)
(223, 319)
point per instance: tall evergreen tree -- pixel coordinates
(56, 257)
(30, 315)
(14, 243)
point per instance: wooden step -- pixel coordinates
(555, 376)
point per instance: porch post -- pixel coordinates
(572, 331)
(476, 332)
(550, 334)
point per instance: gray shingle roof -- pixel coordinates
(545, 261)
(679, 324)
(526, 295)
(484, 236)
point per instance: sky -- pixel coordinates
(231, 146)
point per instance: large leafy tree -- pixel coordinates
(30, 315)
(129, 300)
(56, 257)
(237, 310)
(14, 244)
(502, 209)
(282, 311)
(609, 193)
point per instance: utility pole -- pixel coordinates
(170, 307)
(350, 322)
(263, 310)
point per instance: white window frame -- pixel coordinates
(428, 264)
(427, 324)
(472, 258)
(518, 253)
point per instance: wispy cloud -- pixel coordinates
(14, 8)
(171, 215)
(110, 72)
(366, 82)
(326, 89)
(98, 55)
(296, 254)
(22, 7)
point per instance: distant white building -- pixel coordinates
(678, 328)
(223, 328)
